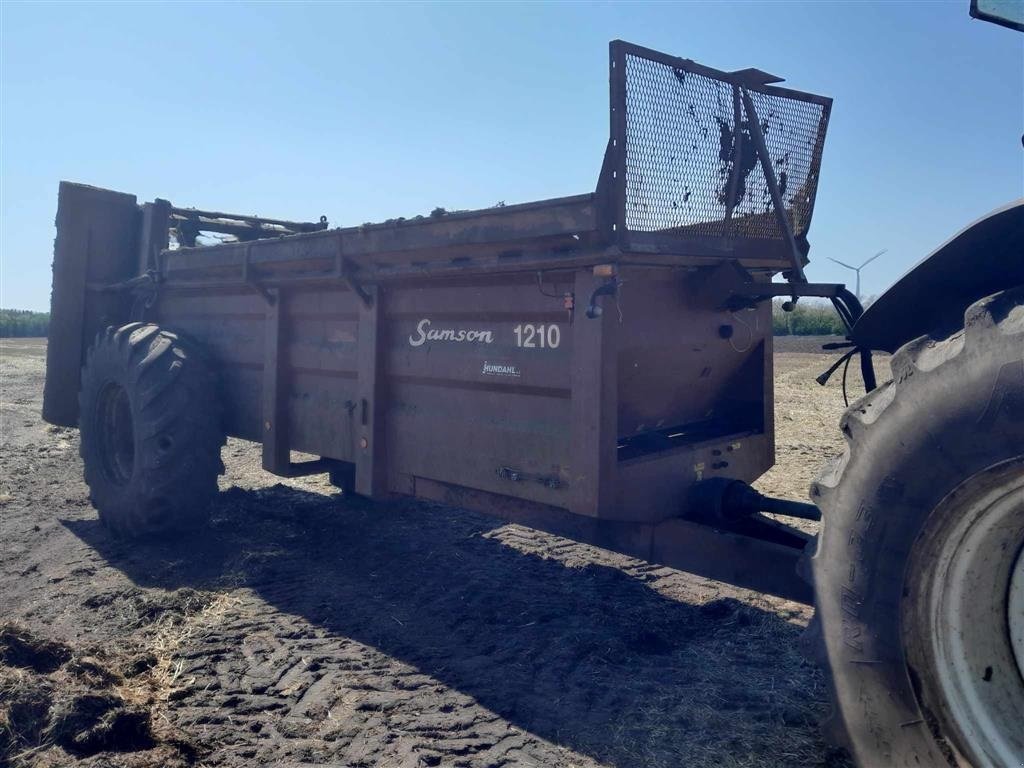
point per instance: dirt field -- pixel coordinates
(307, 629)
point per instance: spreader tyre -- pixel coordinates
(151, 431)
(918, 571)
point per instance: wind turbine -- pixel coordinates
(858, 269)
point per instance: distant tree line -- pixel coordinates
(23, 322)
(809, 318)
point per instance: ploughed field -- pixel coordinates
(304, 628)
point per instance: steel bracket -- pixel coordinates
(247, 277)
(345, 270)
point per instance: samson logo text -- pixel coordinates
(425, 333)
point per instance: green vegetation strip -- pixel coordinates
(23, 322)
(807, 319)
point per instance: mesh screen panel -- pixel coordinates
(682, 145)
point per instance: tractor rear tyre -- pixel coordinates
(918, 571)
(150, 431)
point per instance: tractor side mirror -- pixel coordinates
(1006, 13)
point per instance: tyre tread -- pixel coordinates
(919, 359)
(175, 401)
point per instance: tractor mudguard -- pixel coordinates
(983, 258)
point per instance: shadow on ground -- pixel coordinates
(590, 658)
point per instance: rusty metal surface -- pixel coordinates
(675, 367)
(509, 238)
(97, 235)
(491, 383)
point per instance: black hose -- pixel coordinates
(854, 310)
(867, 370)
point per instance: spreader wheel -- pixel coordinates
(150, 431)
(918, 571)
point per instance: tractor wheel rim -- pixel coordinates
(976, 615)
(1015, 610)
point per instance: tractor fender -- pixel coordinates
(979, 260)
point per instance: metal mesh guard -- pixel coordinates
(680, 142)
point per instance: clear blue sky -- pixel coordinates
(367, 112)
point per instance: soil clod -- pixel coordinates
(20, 648)
(58, 704)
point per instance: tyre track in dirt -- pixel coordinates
(328, 631)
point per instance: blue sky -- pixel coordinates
(366, 112)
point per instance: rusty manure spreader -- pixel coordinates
(598, 366)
